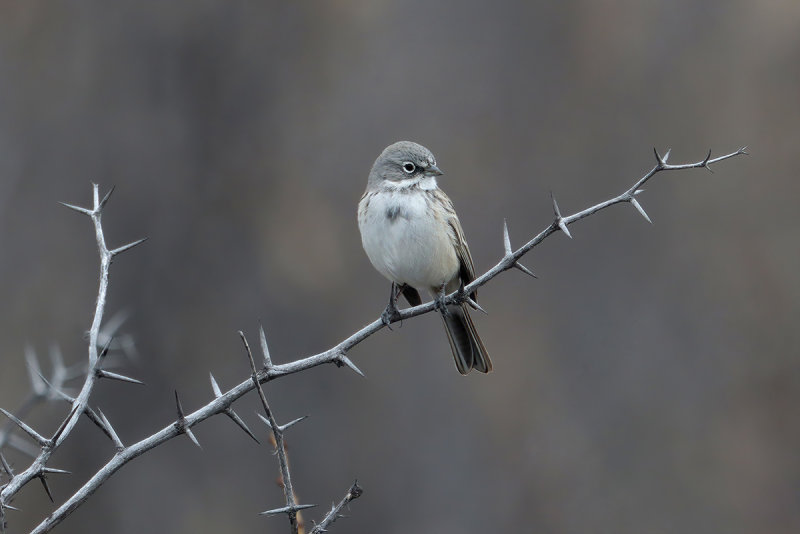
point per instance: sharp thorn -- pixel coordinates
(705, 162)
(94, 418)
(641, 209)
(241, 424)
(292, 423)
(41, 440)
(475, 305)
(38, 384)
(55, 471)
(215, 386)
(188, 432)
(105, 198)
(129, 246)
(254, 376)
(346, 361)
(6, 466)
(563, 226)
(666, 156)
(46, 487)
(63, 426)
(78, 209)
(264, 347)
(178, 406)
(524, 269)
(555, 205)
(110, 430)
(12, 507)
(743, 150)
(506, 239)
(659, 159)
(266, 421)
(115, 376)
(638, 191)
(288, 509)
(106, 348)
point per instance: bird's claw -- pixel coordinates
(390, 315)
(439, 303)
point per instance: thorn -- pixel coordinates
(743, 150)
(666, 156)
(43, 480)
(188, 432)
(661, 161)
(28, 430)
(563, 226)
(35, 373)
(555, 205)
(110, 430)
(559, 219)
(6, 466)
(292, 423)
(266, 421)
(240, 423)
(181, 423)
(94, 418)
(288, 509)
(344, 360)
(55, 471)
(638, 191)
(78, 209)
(11, 507)
(641, 209)
(105, 199)
(506, 239)
(475, 305)
(63, 426)
(129, 246)
(106, 347)
(215, 387)
(114, 376)
(264, 348)
(705, 162)
(178, 407)
(524, 269)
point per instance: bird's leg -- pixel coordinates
(391, 314)
(439, 301)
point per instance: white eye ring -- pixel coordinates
(409, 167)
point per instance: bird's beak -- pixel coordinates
(433, 170)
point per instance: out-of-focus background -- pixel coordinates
(647, 382)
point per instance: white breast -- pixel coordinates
(404, 239)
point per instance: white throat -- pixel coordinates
(426, 183)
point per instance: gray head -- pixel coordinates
(403, 160)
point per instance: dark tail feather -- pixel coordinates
(468, 350)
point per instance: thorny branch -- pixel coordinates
(292, 508)
(337, 355)
(38, 469)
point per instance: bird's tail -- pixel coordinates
(468, 350)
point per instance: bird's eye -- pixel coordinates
(409, 167)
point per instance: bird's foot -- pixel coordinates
(439, 303)
(391, 313)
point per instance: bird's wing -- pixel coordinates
(466, 267)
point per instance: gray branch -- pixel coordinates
(38, 468)
(292, 508)
(222, 403)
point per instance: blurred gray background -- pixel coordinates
(647, 382)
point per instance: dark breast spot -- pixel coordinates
(393, 212)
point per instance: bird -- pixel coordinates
(412, 236)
